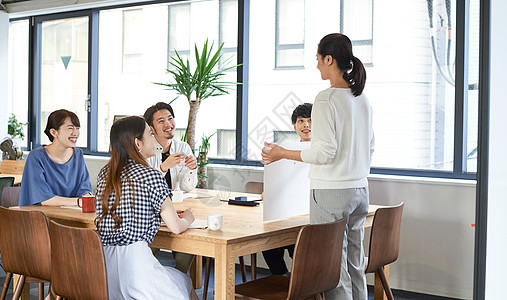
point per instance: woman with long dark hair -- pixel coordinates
(339, 157)
(132, 198)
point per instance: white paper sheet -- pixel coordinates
(287, 186)
(192, 195)
(198, 223)
(71, 206)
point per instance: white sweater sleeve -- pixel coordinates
(187, 178)
(324, 144)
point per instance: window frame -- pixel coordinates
(364, 42)
(279, 46)
(241, 158)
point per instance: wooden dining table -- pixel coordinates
(17, 177)
(244, 232)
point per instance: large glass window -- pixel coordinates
(175, 26)
(473, 88)
(290, 34)
(64, 71)
(132, 33)
(357, 24)
(410, 63)
(18, 73)
(413, 105)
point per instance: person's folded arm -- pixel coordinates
(187, 179)
(59, 201)
(177, 223)
(324, 144)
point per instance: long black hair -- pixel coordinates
(122, 139)
(340, 48)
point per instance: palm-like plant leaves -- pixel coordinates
(204, 81)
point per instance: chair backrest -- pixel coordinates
(25, 243)
(8, 166)
(5, 182)
(254, 187)
(317, 259)
(384, 237)
(10, 196)
(78, 264)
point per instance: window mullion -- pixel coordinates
(93, 71)
(242, 76)
(461, 88)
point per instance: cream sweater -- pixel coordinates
(342, 140)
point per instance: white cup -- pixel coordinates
(177, 196)
(215, 221)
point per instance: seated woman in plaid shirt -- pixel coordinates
(132, 198)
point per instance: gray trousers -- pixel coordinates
(331, 205)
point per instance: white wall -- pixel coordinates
(497, 177)
(4, 63)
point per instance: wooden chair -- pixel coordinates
(251, 187)
(8, 166)
(384, 243)
(6, 182)
(78, 263)
(26, 249)
(254, 187)
(10, 196)
(315, 267)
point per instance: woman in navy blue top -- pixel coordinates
(56, 174)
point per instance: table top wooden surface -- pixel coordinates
(17, 177)
(239, 221)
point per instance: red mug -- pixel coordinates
(88, 203)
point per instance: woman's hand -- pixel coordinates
(271, 153)
(172, 161)
(176, 220)
(187, 215)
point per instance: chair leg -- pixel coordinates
(41, 290)
(243, 268)
(385, 283)
(7, 281)
(19, 287)
(253, 259)
(206, 278)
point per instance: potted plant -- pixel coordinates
(202, 161)
(15, 130)
(202, 83)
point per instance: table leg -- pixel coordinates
(379, 293)
(196, 272)
(25, 293)
(224, 273)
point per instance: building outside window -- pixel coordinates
(357, 23)
(290, 34)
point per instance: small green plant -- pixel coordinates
(205, 81)
(203, 161)
(15, 128)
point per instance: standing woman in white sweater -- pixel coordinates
(339, 157)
